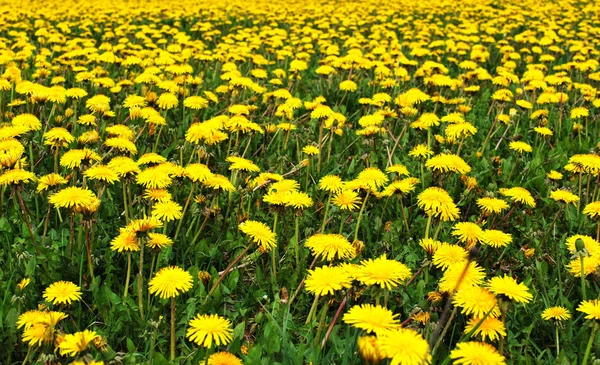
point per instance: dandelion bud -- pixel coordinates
(579, 245)
(271, 128)
(434, 297)
(464, 109)
(359, 246)
(421, 317)
(388, 226)
(23, 283)
(200, 199)
(204, 277)
(100, 343)
(151, 97)
(529, 252)
(473, 253)
(368, 349)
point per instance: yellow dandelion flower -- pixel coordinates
(224, 358)
(564, 196)
(346, 200)
(167, 211)
(404, 346)
(556, 314)
(62, 292)
(476, 353)
(438, 203)
(208, 329)
(476, 301)
(330, 246)
(508, 287)
(169, 282)
(383, 272)
(461, 275)
(371, 318)
(490, 327)
(327, 280)
(492, 205)
(331, 183)
(73, 197)
(495, 238)
(447, 254)
(76, 343)
(260, 234)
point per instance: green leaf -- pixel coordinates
(130, 346)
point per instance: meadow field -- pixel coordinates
(299, 182)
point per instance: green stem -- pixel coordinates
(140, 283)
(487, 138)
(312, 265)
(462, 140)
(285, 142)
(320, 147)
(326, 211)
(56, 160)
(185, 208)
(513, 168)
(557, 342)
(429, 138)
(226, 271)
(428, 226)
(329, 145)
(191, 226)
(443, 334)
(404, 215)
(172, 328)
(126, 291)
(157, 139)
(551, 226)
(583, 293)
(579, 193)
(46, 223)
(468, 335)
(27, 356)
(360, 214)
(197, 235)
(27, 222)
(322, 321)
(503, 316)
(307, 173)
(437, 230)
(274, 250)
(297, 244)
(123, 185)
(88, 247)
(205, 362)
(152, 263)
(589, 345)
(313, 307)
(71, 233)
